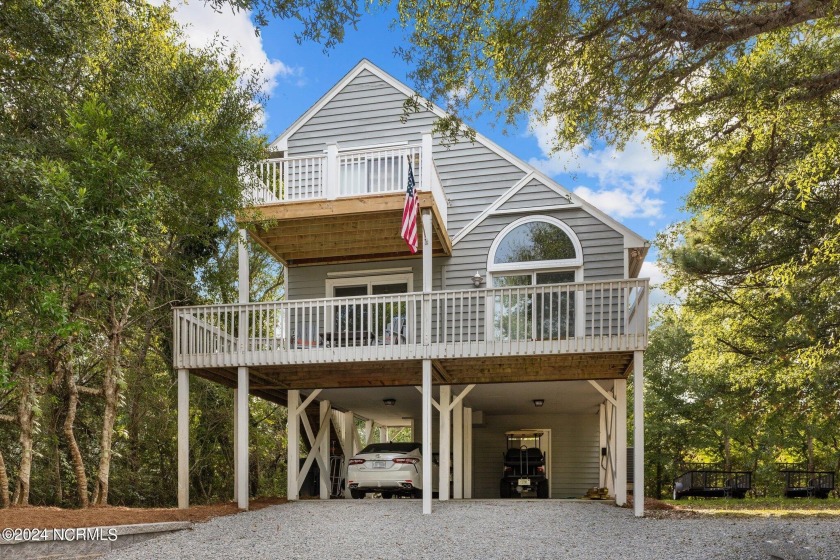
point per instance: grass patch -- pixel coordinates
(760, 507)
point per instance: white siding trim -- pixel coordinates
(518, 186)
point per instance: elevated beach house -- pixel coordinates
(521, 309)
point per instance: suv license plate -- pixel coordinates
(379, 464)
(524, 482)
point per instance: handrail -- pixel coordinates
(577, 317)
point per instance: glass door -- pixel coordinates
(372, 321)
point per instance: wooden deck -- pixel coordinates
(586, 330)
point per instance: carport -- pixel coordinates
(580, 420)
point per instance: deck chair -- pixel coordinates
(394, 332)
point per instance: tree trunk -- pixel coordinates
(75, 453)
(26, 420)
(727, 450)
(110, 390)
(4, 483)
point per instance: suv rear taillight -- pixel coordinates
(407, 460)
(541, 470)
(356, 461)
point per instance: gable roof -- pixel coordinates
(631, 238)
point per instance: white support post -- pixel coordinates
(427, 436)
(468, 425)
(331, 187)
(324, 450)
(426, 215)
(444, 447)
(183, 438)
(602, 446)
(292, 445)
(242, 415)
(383, 434)
(621, 442)
(350, 436)
(235, 446)
(426, 161)
(412, 432)
(244, 289)
(458, 450)
(638, 433)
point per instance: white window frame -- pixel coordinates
(533, 267)
(370, 281)
(577, 261)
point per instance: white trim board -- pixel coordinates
(631, 238)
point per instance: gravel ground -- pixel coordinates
(389, 529)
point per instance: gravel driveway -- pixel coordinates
(390, 529)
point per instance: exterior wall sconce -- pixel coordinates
(539, 402)
(477, 280)
(389, 402)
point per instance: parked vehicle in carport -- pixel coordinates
(524, 465)
(391, 469)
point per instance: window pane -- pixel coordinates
(382, 289)
(512, 280)
(350, 291)
(562, 277)
(534, 241)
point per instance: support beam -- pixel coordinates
(621, 442)
(383, 434)
(468, 462)
(350, 435)
(427, 436)
(444, 446)
(235, 446)
(242, 421)
(639, 433)
(240, 426)
(458, 450)
(183, 438)
(324, 450)
(601, 390)
(292, 445)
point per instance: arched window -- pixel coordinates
(535, 243)
(535, 251)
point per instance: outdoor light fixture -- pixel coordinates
(539, 402)
(389, 402)
(478, 280)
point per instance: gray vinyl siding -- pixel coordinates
(533, 195)
(367, 112)
(310, 282)
(575, 452)
(603, 247)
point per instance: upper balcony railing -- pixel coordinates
(548, 319)
(342, 174)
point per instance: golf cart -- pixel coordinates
(524, 469)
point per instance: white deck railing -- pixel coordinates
(336, 174)
(582, 317)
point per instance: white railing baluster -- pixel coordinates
(517, 320)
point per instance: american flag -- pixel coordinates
(410, 211)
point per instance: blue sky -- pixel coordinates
(633, 186)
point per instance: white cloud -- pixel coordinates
(202, 25)
(626, 181)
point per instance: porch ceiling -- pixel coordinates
(271, 382)
(343, 230)
(563, 397)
